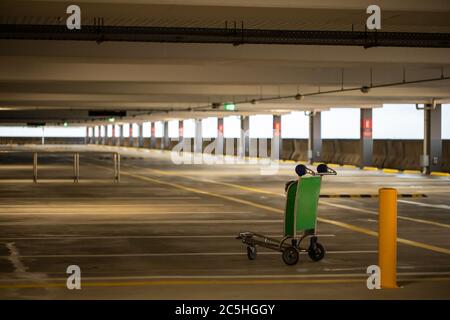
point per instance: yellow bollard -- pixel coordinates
(387, 237)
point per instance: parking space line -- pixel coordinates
(75, 205)
(207, 282)
(152, 213)
(257, 190)
(169, 254)
(257, 205)
(243, 276)
(69, 237)
(128, 222)
(376, 213)
(421, 204)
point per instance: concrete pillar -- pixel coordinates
(198, 140)
(165, 143)
(244, 141)
(86, 138)
(277, 142)
(185, 143)
(152, 135)
(141, 136)
(220, 139)
(121, 139)
(130, 135)
(99, 135)
(180, 130)
(432, 144)
(105, 134)
(113, 134)
(366, 139)
(315, 137)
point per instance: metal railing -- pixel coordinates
(76, 162)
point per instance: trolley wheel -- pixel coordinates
(316, 252)
(290, 256)
(251, 253)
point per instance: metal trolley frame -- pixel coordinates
(300, 219)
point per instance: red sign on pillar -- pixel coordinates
(180, 129)
(276, 128)
(131, 130)
(366, 126)
(152, 130)
(220, 129)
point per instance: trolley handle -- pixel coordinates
(302, 170)
(324, 170)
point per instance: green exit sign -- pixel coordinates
(229, 106)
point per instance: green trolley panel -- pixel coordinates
(301, 206)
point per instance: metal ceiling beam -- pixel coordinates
(235, 36)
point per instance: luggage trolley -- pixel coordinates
(300, 219)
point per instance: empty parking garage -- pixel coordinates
(242, 151)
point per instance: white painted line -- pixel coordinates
(240, 276)
(127, 222)
(174, 254)
(68, 237)
(106, 206)
(420, 204)
(143, 198)
(126, 213)
(376, 213)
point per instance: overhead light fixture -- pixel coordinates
(111, 119)
(365, 89)
(298, 97)
(229, 106)
(65, 124)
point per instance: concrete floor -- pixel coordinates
(167, 231)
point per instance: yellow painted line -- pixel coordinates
(257, 190)
(349, 226)
(350, 166)
(184, 282)
(205, 282)
(190, 189)
(376, 213)
(257, 205)
(438, 224)
(440, 174)
(411, 171)
(333, 165)
(370, 168)
(390, 170)
(375, 234)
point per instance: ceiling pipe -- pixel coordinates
(366, 39)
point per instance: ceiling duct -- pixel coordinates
(100, 34)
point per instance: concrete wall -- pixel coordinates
(396, 154)
(37, 140)
(446, 155)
